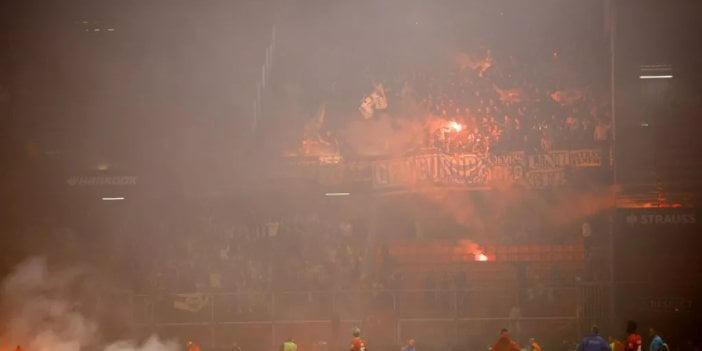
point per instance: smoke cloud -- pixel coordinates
(568, 206)
(44, 310)
(383, 136)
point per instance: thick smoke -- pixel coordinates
(383, 136)
(557, 209)
(44, 312)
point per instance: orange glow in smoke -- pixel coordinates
(455, 126)
(481, 257)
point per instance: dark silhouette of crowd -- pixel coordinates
(301, 252)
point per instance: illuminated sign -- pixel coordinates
(101, 180)
(659, 219)
(670, 305)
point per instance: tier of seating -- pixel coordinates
(443, 253)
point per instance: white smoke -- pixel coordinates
(42, 310)
(153, 343)
(383, 136)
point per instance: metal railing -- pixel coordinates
(259, 320)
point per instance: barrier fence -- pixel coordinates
(321, 320)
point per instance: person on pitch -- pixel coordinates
(505, 343)
(633, 339)
(594, 342)
(193, 346)
(289, 345)
(358, 344)
(410, 346)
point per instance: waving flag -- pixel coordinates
(567, 96)
(466, 61)
(509, 96)
(366, 108)
(375, 101)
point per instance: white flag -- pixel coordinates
(366, 108)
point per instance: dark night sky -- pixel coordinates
(166, 77)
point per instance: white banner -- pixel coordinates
(538, 170)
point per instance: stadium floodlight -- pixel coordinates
(118, 198)
(656, 71)
(337, 194)
(656, 76)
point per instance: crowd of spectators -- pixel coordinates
(298, 255)
(502, 103)
(502, 100)
(245, 257)
(301, 252)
